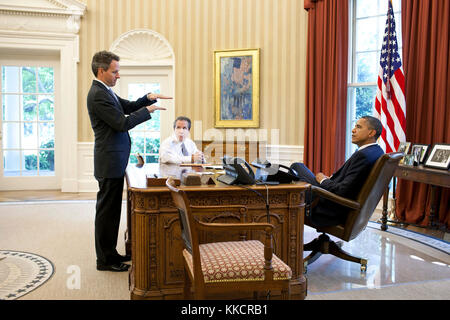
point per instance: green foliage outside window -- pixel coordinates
(46, 159)
(365, 101)
(39, 80)
(151, 146)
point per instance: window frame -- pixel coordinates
(21, 121)
(353, 83)
(34, 181)
(149, 74)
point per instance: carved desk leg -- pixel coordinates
(144, 267)
(296, 212)
(128, 231)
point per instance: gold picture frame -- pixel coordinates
(236, 87)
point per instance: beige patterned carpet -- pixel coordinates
(400, 266)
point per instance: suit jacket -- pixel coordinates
(112, 141)
(346, 182)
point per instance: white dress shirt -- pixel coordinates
(107, 87)
(170, 150)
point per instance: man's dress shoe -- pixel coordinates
(116, 267)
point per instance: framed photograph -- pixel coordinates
(236, 86)
(439, 157)
(409, 160)
(419, 151)
(404, 147)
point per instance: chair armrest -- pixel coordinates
(238, 208)
(269, 228)
(335, 198)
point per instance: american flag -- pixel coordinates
(390, 104)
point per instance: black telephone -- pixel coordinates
(237, 171)
(268, 172)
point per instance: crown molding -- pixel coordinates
(43, 7)
(60, 16)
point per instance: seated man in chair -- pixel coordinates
(179, 148)
(348, 180)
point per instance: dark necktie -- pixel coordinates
(183, 150)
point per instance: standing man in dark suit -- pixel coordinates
(111, 152)
(348, 180)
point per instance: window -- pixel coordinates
(146, 137)
(368, 21)
(140, 74)
(28, 120)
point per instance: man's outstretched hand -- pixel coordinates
(154, 108)
(154, 96)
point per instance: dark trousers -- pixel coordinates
(304, 174)
(322, 213)
(107, 219)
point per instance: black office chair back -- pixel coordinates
(371, 193)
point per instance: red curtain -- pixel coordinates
(326, 84)
(426, 32)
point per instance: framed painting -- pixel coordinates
(236, 87)
(439, 157)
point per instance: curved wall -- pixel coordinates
(195, 28)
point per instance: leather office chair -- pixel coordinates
(232, 267)
(361, 209)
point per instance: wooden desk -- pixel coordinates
(153, 227)
(434, 177)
